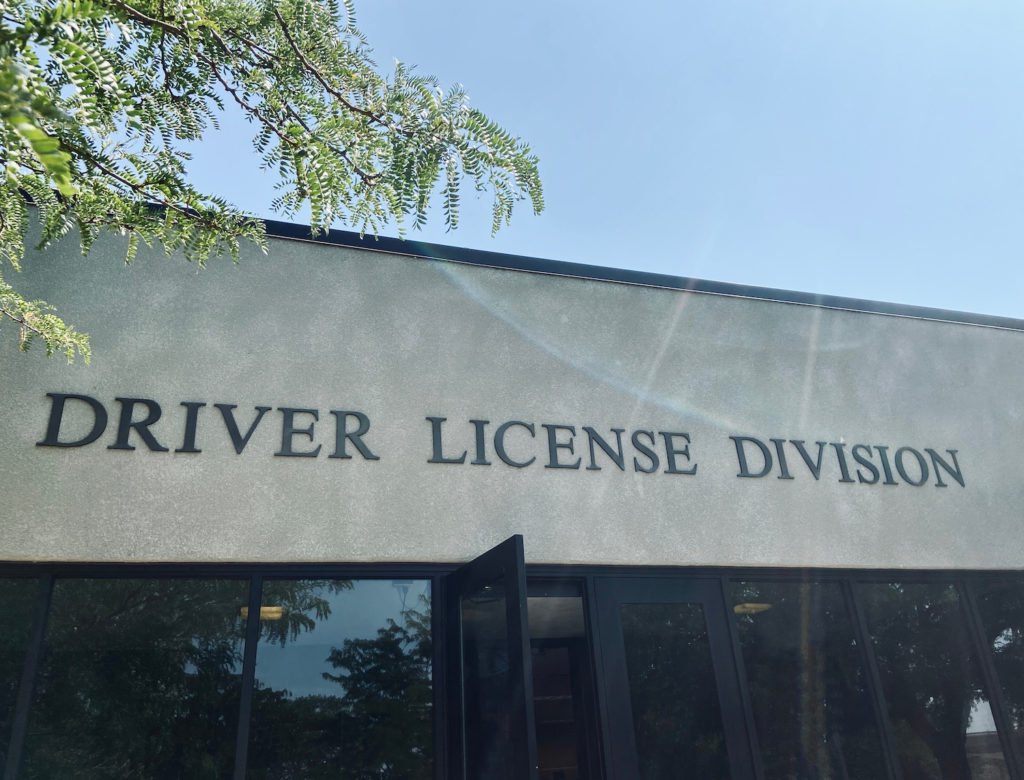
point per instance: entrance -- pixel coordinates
(532, 666)
(593, 673)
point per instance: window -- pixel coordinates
(937, 702)
(19, 597)
(138, 678)
(343, 680)
(293, 671)
(144, 678)
(807, 681)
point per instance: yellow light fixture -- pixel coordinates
(751, 608)
(266, 613)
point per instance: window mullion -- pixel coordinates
(744, 684)
(252, 635)
(874, 680)
(983, 650)
(19, 724)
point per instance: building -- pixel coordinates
(766, 534)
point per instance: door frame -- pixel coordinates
(610, 593)
(504, 562)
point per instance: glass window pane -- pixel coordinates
(19, 599)
(559, 651)
(1001, 605)
(677, 718)
(343, 681)
(139, 678)
(807, 681)
(936, 699)
(487, 682)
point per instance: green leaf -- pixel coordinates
(99, 102)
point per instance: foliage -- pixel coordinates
(676, 714)
(1001, 605)
(142, 678)
(378, 724)
(385, 713)
(929, 675)
(807, 682)
(97, 98)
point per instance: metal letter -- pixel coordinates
(99, 421)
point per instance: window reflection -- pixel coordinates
(139, 678)
(807, 682)
(937, 703)
(1001, 604)
(487, 681)
(18, 598)
(677, 717)
(343, 681)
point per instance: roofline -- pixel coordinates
(487, 259)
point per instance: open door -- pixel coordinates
(492, 722)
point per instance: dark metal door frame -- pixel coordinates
(504, 563)
(610, 593)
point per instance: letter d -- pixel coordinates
(741, 456)
(99, 423)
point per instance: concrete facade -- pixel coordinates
(402, 339)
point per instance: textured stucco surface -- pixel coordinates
(402, 339)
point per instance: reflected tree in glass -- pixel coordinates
(677, 717)
(18, 597)
(139, 678)
(807, 682)
(345, 689)
(385, 714)
(936, 699)
(1001, 605)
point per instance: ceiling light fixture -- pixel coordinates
(266, 613)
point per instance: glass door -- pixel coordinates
(672, 701)
(492, 727)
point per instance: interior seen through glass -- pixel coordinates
(559, 650)
(487, 683)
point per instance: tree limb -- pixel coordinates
(330, 88)
(243, 103)
(149, 21)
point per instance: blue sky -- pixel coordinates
(871, 149)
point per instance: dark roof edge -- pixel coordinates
(488, 259)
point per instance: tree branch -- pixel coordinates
(251, 109)
(23, 322)
(330, 88)
(63, 340)
(265, 52)
(139, 189)
(368, 178)
(150, 21)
